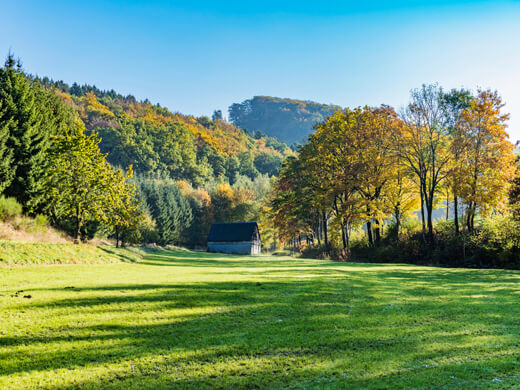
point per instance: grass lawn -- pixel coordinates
(197, 320)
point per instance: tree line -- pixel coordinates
(161, 143)
(100, 164)
(50, 165)
(286, 119)
(370, 167)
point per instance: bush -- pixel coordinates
(41, 220)
(494, 244)
(315, 252)
(37, 225)
(9, 208)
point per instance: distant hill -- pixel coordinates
(169, 144)
(288, 120)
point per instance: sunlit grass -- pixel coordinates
(19, 252)
(197, 320)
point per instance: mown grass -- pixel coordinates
(12, 252)
(197, 320)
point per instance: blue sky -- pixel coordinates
(197, 56)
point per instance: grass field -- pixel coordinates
(20, 253)
(197, 320)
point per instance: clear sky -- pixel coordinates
(197, 56)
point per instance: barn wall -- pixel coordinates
(239, 247)
(256, 247)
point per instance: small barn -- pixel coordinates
(235, 237)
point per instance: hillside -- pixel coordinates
(25, 253)
(286, 119)
(163, 143)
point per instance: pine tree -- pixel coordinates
(6, 154)
(27, 140)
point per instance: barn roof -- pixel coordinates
(232, 231)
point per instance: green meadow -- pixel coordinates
(181, 319)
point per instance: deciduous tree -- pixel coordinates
(488, 159)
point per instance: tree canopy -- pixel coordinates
(289, 120)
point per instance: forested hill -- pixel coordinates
(286, 119)
(162, 143)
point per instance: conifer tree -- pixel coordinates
(22, 111)
(5, 153)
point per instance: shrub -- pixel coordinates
(9, 208)
(315, 252)
(37, 225)
(41, 220)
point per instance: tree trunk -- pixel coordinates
(343, 237)
(319, 229)
(469, 217)
(456, 214)
(347, 240)
(347, 235)
(447, 205)
(369, 233)
(422, 212)
(78, 226)
(377, 231)
(429, 209)
(117, 237)
(369, 228)
(397, 216)
(325, 231)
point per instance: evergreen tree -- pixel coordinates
(169, 209)
(28, 139)
(6, 154)
(247, 166)
(217, 115)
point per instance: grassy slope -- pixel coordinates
(12, 252)
(184, 319)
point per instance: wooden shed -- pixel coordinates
(235, 237)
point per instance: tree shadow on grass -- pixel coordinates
(379, 329)
(121, 256)
(207, 259)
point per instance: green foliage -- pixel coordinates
(21, 114)
(58, 145)
(169, 208)
(268, 163)
(232, 169)
(29, 117)
(160, 143)
(6, 154)
(41, 220)
(288, 120)
(80, 185)
(40, 224)
(75, 183)
(32, 115)
(247, 167)
(9, 208)
(495, 243)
